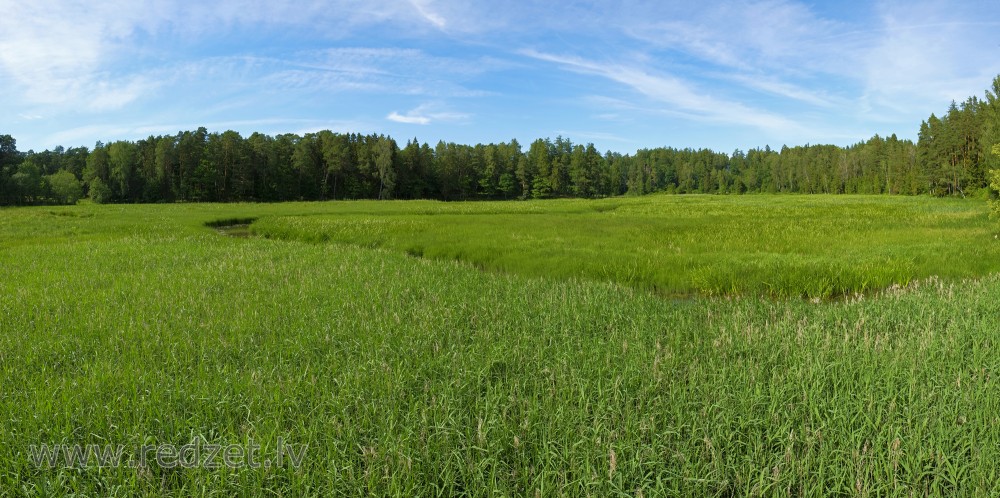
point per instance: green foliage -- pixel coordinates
(122, 157)
(506, 185)
(9, 155)
(99, 191)
(28, 183)
(995, 185)
(66, 189)
(137, 325)
(213, 167)
(384, 151)
(97, 165)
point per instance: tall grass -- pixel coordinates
(779, 246)
(428, 377)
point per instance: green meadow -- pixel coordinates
(778, 246)
(650, 346)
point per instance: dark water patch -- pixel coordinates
(229, 222)
(233, 227)
(69, 213)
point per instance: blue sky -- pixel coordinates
(621, 74)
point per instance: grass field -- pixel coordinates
(814, 247)
(656, 346)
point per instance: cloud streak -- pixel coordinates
(888, 65)
(377, 70)
(678, 95)
(423, 8)
(409, 118)
(426, 114)
(65, 52)
(916, 62)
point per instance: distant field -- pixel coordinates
(780, 246)
(568, 368)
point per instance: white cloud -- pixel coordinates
(409, 118)
(54, 52)
(426, 114)
(424, 9)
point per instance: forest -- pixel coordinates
(951, 158)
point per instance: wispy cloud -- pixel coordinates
(387, 70)
(67, 53)
(786, 90)
(679, 95)
(914, 62)
(777, 47)
(887, 65)
(424, 9)
(426, 114)
(59, 59)
(743, 34)
(409, 118)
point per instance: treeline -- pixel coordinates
(951, 158)
(955, 150)
(223, 167)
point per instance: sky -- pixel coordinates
(622, 74)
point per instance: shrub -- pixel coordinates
(100, 192)
(66, 189)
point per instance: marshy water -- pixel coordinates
(238, 227)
